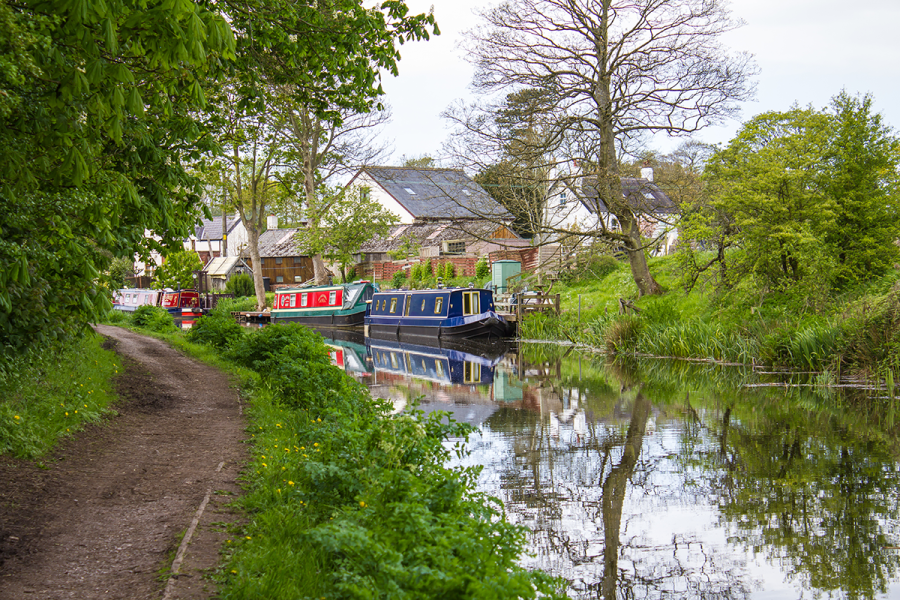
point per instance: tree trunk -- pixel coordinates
(637, 258)
(253, 246)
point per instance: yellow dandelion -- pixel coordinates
(320, 420)
(292, 483)
(17, 417)
(67, 413)
(233, 571)
(362, 504)
(249, 538)
(264, 464)
(316, 445)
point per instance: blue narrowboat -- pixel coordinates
(324, 305)
(452, 313)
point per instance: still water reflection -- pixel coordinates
(662, 480)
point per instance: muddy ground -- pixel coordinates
(106, 516)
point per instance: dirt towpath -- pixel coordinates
(106, 518)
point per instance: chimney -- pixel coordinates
(271, 222)
(647, 172)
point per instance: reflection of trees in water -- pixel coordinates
(810, 497)
(574, 492)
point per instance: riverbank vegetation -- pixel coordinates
(345, 499)
(853, 331)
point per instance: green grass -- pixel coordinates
(52, 392)
(856, 330)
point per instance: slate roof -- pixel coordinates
(643, 195)
(436, 193)
(211, 229)
(432, 234)
(279, 242)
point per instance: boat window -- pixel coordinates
(393, 305)
(438, 305)
(439, 368)
(470, 303)
(471, 372)
(406, 306)
(332, 297)
(394, 362)
(423, 304)
(293, 300)
(302, 299)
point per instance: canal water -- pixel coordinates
(664, 479)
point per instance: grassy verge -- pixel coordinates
(857, 331)
(346, 500)
(51, 392)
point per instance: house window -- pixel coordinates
(470, 303)
(279, 279)
(262, 262)
(562, 198)
(277, 260)
(456, 247)
(438, 305)
(298, 260)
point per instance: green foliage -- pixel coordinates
(241, 285)
(449, 271)
(218, 330)
(153, 318)
(808, 196)
(100, 106)
(116, 317)
(427, 269)
(482, 268)
(119, 269)
(177, 271)
(51, 392)
(343, 492)
(398, 279)
(352, 218)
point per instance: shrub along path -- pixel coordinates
(105, 518)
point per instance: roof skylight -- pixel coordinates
(409, 191)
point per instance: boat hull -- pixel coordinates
(485, 327)
(327, 320)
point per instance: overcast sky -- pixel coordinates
(807, 51)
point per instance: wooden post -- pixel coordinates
(557, 304)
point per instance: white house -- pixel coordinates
(573, 205)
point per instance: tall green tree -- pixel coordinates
(806, 197)
(862, 180)
(101, 107)
(351, 219)
(178, 270)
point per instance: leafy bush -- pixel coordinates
(241, 285)
(427, 270)
(218, 330)
(143, 315)
(260, 349)
(482, 268)
(225, 306)
(398, 279)
(116, 317)
(449, 271)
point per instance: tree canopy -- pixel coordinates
(805, 196)
(103, 107)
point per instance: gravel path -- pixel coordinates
(107, 517)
